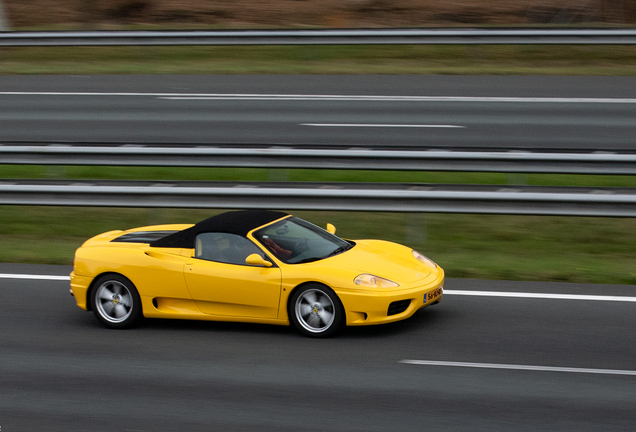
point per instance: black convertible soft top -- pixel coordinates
(235, 222)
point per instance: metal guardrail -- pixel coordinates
(324, 37)
(363, 159)
(617, 202)
(330, 196)
(333, 196)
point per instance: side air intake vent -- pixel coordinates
(142, 236)
(398, 307)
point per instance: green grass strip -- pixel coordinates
(345, 59)
(565, 249)
(308, 175)
(568, 249)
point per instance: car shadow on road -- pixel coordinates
(216, 326)
(422, 320)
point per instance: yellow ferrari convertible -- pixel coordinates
(252, 266)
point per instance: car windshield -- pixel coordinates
(296, 241)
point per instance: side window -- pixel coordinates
(225, 248)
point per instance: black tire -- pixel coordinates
(316, 311)
(115, 301)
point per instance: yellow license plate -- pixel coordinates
(433, 295)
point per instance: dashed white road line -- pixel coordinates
(310, 97)
(520, 367)
(387, 125)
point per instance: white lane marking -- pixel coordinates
(372, 125)
(446, 291)
(520, 367)
(35, 277)
(303, 97)
(541, 295)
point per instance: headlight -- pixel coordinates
(370, 280)
(421, 258)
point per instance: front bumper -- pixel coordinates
(368, 308)
(79, 288)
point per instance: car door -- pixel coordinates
(222, 283)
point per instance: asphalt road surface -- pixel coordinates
(515, 112)
(61, 371)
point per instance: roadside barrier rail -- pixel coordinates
(410, 36)
(562, 201)
(344, 158)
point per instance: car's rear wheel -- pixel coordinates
(115, 301)
(316, 311)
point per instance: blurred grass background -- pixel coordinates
(307, 175)
(567, 249)
(481, 246)
(406, 59)
(243, 14)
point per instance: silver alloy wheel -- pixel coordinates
(315, 310)
(114, 301)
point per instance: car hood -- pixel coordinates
(382, 258)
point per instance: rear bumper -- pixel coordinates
(364, 308)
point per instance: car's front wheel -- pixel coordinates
(115, 301)
(316, 311)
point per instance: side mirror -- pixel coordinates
(331, 228)
(256, 259)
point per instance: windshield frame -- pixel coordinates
(340, 245)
